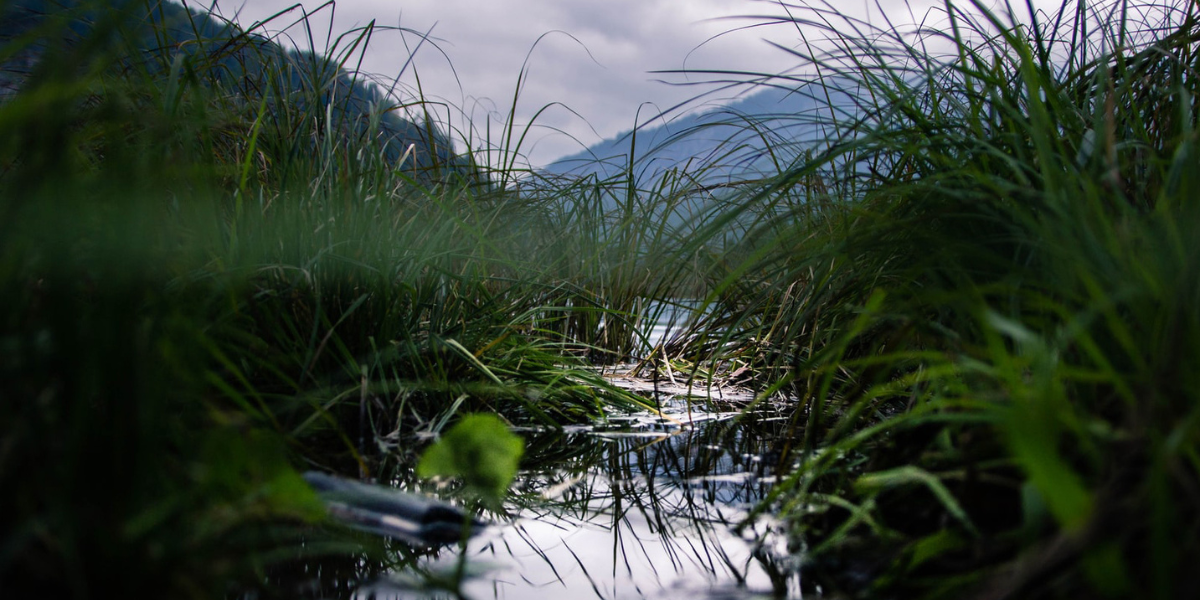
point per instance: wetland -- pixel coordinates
(941, 345)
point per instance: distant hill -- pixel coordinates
(753, 138)
(747, 139)
(158, 34)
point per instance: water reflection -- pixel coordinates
(642, 507)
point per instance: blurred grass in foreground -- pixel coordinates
(206, 288)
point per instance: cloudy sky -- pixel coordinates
(594, 57)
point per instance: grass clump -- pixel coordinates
(985, 320)
(226, 261)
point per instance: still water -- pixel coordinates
(638, 506)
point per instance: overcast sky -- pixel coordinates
(596, 57)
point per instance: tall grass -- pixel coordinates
(217, 272)
(988, 321)
(979, 292)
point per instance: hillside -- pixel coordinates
(165, 40)
(746, 139)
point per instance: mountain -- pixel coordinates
(753, 138)
(749, 138)
(158, 36)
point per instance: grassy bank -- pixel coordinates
(989, 320)
(979, 296)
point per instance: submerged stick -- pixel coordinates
(416, 520)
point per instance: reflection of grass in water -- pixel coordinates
(597, 484)
(636, 496)
(639, 492)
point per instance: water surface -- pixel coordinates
(639, 506)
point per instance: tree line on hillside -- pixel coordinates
(163, 39)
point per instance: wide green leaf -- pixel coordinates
(479, 449)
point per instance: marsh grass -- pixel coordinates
(983, 320)
(216, 271)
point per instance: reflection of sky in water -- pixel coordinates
(634, 555)
(637, 509)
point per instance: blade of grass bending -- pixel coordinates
(908, 475)
(467, 354)
(461, 350)
(321, 347)
(250, 148)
